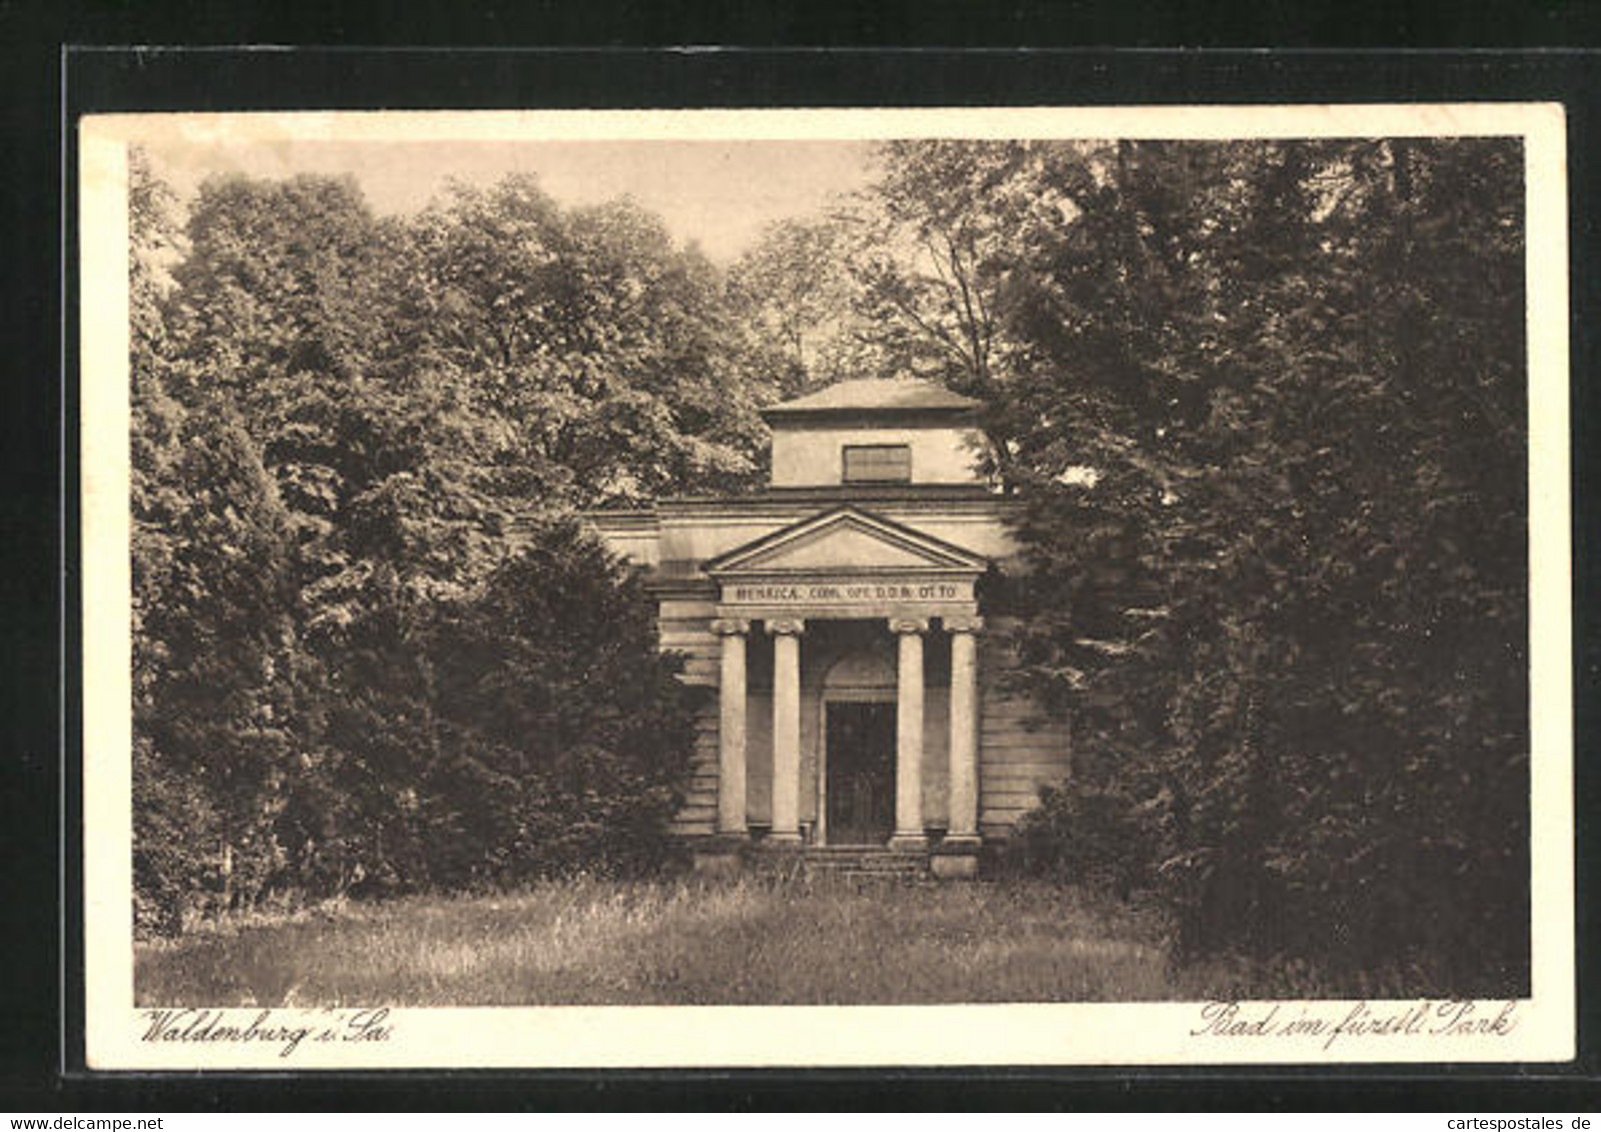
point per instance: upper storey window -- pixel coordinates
(878, 463)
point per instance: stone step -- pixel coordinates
(855, 875)
(865, 862)
(880, 855)
(870, 861)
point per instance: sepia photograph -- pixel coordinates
(1041, 565)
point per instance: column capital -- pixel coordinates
(969, 623)
(904, 625)
(730, 626)
(786, 626)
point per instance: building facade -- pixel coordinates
(838, 616)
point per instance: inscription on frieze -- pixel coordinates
(843, 593)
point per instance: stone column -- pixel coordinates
(909, 734)
(964, 729)
(731, 727)
(786, 728)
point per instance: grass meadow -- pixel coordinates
(749, 940)
(740, 941)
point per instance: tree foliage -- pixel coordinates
(798, 302)
(1288, 610)
(355, 442)
(604, 349)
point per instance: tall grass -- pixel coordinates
(742, 941)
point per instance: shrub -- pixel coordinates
(173, 823)
(569, 734)
(1088, 835)
(525, 729)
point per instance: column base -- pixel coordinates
(951, 866)
(956, 857)
(909, 842)
(784, 837)
(721, 854)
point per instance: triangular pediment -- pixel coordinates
(846, 540)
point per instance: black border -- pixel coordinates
(219, 79)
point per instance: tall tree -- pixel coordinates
(221, 534)
(155, 239)
(1275, 523)
(796, 295)
(601, 344)
(350, 429)
(935, 261)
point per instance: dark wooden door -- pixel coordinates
(861, 773)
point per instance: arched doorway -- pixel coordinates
(857, 783)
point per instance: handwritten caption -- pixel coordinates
(287, 1030)
(1456, 1018)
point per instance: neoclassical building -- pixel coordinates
(837, 616)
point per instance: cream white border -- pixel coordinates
(1154, 1034)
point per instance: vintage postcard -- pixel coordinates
(1031, 586)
